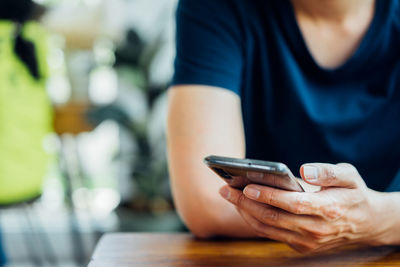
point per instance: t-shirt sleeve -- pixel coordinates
(208, 44)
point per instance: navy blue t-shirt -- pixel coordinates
(294, 110)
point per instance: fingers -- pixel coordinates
(330, 175)
(276, 217)
(295, 240)
(301, 203)
(268, 231)
(304, 233)
(301, 243)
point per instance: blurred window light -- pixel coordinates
(59, 89)
(161, 68)
(103, 85)
(58, 85)
(51, 144)
(53, 190)
(92, 3)
(103, 50)
(55, 59)
(104, 201)
(97, 150)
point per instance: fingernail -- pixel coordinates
(224, 192)
(252, 193)
(255, 175)
(310, 173)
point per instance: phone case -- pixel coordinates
(240, 172)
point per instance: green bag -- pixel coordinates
(25, 117)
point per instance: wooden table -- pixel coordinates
(141, 249)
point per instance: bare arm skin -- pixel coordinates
(203, 121)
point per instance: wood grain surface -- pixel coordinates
(145, 249)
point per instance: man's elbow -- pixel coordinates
(201, 233)
(200, 224)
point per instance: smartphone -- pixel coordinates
(240, 172)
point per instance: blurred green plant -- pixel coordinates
(134, 58)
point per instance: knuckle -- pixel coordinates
(273, 215)
(319, 234)
(348, 169)
(298, 208)
(332, 212)
(259, 227)
(241, 200)
(301, 204)
(332, 180)
(266, 215)
(272, 197)
(330, 175)
(320, 231)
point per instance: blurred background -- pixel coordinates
(82, 113)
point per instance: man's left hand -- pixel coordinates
(345, 211)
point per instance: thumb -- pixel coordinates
(331, 175)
